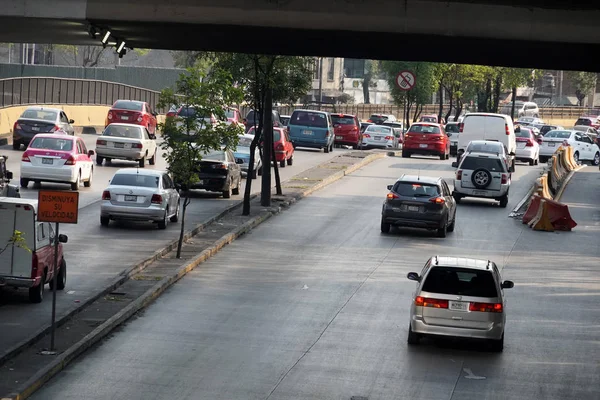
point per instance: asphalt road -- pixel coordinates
(96, 255)
(314, 304)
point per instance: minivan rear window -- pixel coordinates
(461, 282)
(416, 189)
(309, 118)
(491, 164)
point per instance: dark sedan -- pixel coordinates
(218, 171)
(419, 202)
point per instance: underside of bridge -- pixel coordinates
(561, 35)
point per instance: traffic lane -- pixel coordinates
(95, 255)
(312, 304)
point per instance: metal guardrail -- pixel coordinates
(48, 90)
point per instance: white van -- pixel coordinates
(31, 264)
(488, 126)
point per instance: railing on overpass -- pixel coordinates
(48, 90)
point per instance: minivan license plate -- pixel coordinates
(458, 305)
(47, 161)
(307, 132)
(339, 137)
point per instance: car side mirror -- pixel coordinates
(455, 164)
(63, 238)
(9, 175)
(508, 285)
(153, 137)
(389, 187)
(239, 161)
(154, 113)
(413, 276)
(71, 121)
(91, 153)
(517, 129)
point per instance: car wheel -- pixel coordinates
(152, 160)
(142, 162)
(596, 160)
(36, 294)
(75, 185)
(162, 224)
(497, 345)
(543, 159)
(108, 159)
(448, 156)
(61, 279)
(413, 338)
(441, 232)
(24, 183)
(405, 154)
(481, 178)
(532, 162)
(443, 156)
(227, 193)
(99, 160)
(236, 190)
(88, 183)
(104, 221)
(326, 149)
(175, 217)
(451, 226)
(290, 160)
(282, 163)
(457, 197)
(504, 201)
(385, 227)
(16, 145)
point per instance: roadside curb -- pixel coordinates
(4, 138)
(119, 280)
(566, 182)
(62, 360)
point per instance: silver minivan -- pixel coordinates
(458, 297)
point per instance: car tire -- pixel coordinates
(543, 159)
(162, 224)
(16, 145)
(413, 338)
(331, 148)
(596, 160)
(104, 221)
(457, 197)
(385, 227)
(236, 190)
(175, 217)
(88, 183)
(61, 279)
(142, 162)
(480, 173)
(227, 193)
(497, 345)
(532, 162)
(504, 201)
(24, 183)
(448, 156)
(442, 232)
(290, 161)
(443, 156)
(36, 294)
(282, 163)
(405, 154)
(326, 149)
(152, 159)
(108, 159)
(99, 160)
(75, 185)
(451, 226)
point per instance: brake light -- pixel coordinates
(106, 195)
(486, 307)
(437, 200)
(529, 143)
(326, 133)
(540, 141)
(388, 138)
(100, 142)
(459, 175)
(219, 166)
(391, 196)
(70, 161)
(55, 128)
(506, 129)
(110, 115)
(140, 119)
(366, 135)
(434, 303)
(16, 126)
(34, 266)
(461, 127)
(369, 120)
(25, 157)
(504, 179)
(136, 145)
(156, 199)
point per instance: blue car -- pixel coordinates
(313, 129)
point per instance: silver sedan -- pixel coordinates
(140, 195)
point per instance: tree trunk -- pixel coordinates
(276, 171)
(488, 95)
(441, 108)
(407, 116)
(186, 202)
(418, 111)
(265, 192)
(459, 107)
(451, 104)
(497, 92)
(366, 86)
(514, 99)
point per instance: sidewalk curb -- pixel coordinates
(118, 281)
(62, 360)
(566, 182)
(4, 138)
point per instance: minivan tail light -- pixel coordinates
(437, 200)
(25, 157)
(434, 303)
(459, 175)
(504, 179)
(156, 199)
(486, 307)
(506, 130)
(106, 195)
(34, 266)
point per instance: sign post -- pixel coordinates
(57, 206)
(405, 80)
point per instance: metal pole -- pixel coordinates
(265, 193)
(320, 81)
(54, 284)
(33, 53)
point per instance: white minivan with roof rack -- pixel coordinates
(488, 126)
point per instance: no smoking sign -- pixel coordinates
(405, 80)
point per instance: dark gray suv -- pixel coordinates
(419, 202)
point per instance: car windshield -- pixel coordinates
(187, 112)
(429, 119)
(139, 180)
(379, 129)
(40, 114)
(583, 121)
(425, 129)
(416, 189)
(50, 143)
(452, 128)
(491, 164)
(244, 142)
(460, 282)
(129, 105)
(546, 128)
(214, 155)
(133, 132)
(309, 118)
(343, 120)
(558, 134)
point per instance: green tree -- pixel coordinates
(372, 70)
(17, 240)
(584, 82)
(514, 78)
(187, 139)
(422, 91)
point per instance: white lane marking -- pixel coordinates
(470, 374)
(305, 287)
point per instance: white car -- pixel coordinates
(584, 148)
(58, 159)
(126, 142)
(379, 136)
(528, 149)
(140, 195)
(482, 175)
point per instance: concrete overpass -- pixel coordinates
(539, 33)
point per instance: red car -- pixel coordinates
(587, 120)
(347, 130)
(427, 139)
(132, 112)
(234, 116)
(284, 150)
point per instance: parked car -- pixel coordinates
(419, 202)
(252, 119)
(218, 171)
(6, 189)
(132, 112)
(528, 148)
(285, 119)
(588, 121)
(584, 148)
(378, 119)
(522, 109)
(284, 149)
(459, 297)
(379, 136)
(482, 175)
(58, 159)
(126, 142)
(347, 130)
(30, 266)
(398, 129)
(433, 118)
(242, 152)
(140, 195)
(453, 132)
(364, 125)
(234, 117)
(313, 129)
(427, 139)
(36, 120)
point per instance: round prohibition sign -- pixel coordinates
(405, 80)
